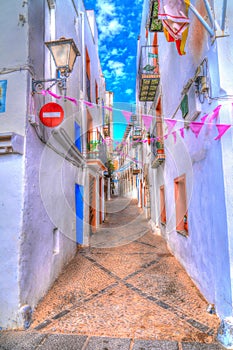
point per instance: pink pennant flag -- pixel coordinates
(44, 92)
(182, 132)
(147, 119)
(222, 128)
(54, 95)
(127, 115)
(203, 119)
(215, 113)
(170, 124)
(89, 104)
(196, 127)
(174, 135)
(71, 99)
(108, 108)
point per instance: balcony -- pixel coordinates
(106, 130)
(157, 153)
(155, 24)
(137, 134)
(136, 171)
(148, 74)
(96, 153)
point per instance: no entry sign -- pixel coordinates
(51, 114)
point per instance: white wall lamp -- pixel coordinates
(64, 52)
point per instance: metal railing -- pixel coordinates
(96, 146)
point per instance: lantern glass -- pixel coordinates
(64, 52)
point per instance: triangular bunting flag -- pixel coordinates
(174, 135)
(108, 108)
(222, 128)
(71, 99)
(182, 132)
(170, 124)
(215, 113)
(196, 127)
(89, 104)
(127, 115)
(54, 95)
(147, 119)
(203, 119)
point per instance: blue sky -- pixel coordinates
(118, 23)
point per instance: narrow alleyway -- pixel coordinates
(129, 287)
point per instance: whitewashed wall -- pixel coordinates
(38, 187)
(206, 253)
(12, 167)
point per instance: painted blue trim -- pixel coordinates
(3, 87)
(78, 141)
(79, 212)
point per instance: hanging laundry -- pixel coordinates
(174, 14)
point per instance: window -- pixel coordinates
(181, 205)
(163, 218)
(88, 76)
(96, 93)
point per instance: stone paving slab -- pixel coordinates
(199, 346)
(36, 341)
(104, 343)
(63, 341)
(155, 345)
(20, 340)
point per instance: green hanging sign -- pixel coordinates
(152, 55)
(184, 106)
(156, 24)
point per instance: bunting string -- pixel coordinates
(196, 127)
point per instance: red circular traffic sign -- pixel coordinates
(51, 114)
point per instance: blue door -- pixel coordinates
(78, 142)
(79, 213)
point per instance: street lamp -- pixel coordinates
(64, 52)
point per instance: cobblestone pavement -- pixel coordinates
(123, 293)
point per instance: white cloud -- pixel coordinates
(132, 35)
(114, 52)
(116, 67)
(114, 27)
(105, 7)
(107, 20)
(129, 91)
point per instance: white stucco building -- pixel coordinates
(190, 177)
(52, 184)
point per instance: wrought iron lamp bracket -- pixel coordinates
(38, 85)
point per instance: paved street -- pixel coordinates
(124, 292)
